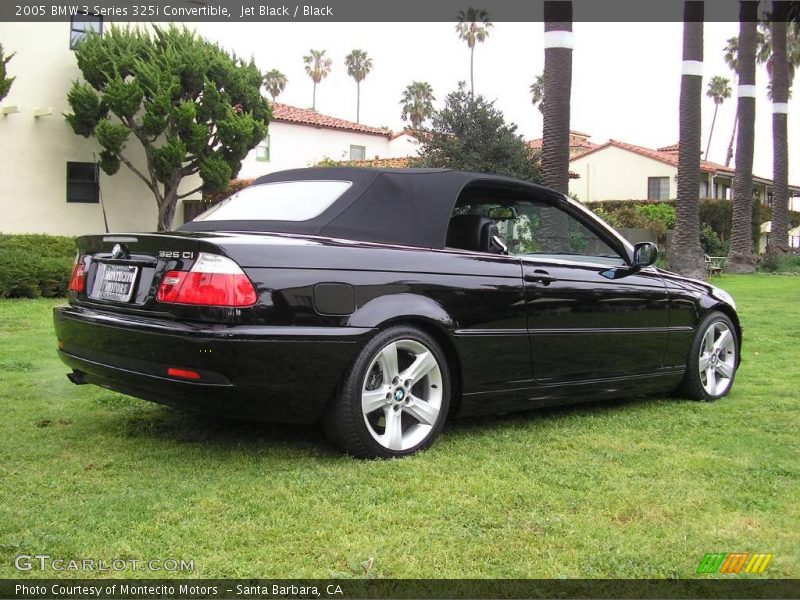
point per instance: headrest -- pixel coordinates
(472, 232)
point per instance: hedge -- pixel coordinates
(715, 213)
(35, 265)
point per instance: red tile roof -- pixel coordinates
(379, 163)
(669, 157)
(306, 116)
(406, 131)
(577, 141)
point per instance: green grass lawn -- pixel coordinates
(640, 488)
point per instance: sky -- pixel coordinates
(625, 82)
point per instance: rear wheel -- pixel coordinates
(713, 359)
(394, 400)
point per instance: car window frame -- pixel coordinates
(577, 211)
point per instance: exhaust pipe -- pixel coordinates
(77, 377)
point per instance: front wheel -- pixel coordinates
(394, 400)
(713, 359)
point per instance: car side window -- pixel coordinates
(544, 230)
(538, 229)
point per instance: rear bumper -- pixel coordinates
(284, 374)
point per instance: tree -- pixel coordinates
(473, 27)
(469, 133)
(719, 90)
(740, 253)
(537, 92)
(731, 55)
(417, 102)
(765, 54)
(275, 82)
(781, 80)
(193, 108)
(318, 67)
(686, 256)
(557, 92)
(5, 80)
(358, 67)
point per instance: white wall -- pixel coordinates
(295, 146)
(401, 146)
(616, 174)
(35, 151)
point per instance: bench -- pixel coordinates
(714, 264)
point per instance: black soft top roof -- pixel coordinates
(410, 207)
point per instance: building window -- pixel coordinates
(658, 188)
(82, 184)
(358, 152)
(81, 25)
(262, 150)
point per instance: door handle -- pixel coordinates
(539, 276)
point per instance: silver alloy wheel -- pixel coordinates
(401, 395)
(717, 362)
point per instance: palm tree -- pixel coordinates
(740, 254)
(781, 80)
(275, 82)
(318, 67)
(358, 67)
(417, 102)
(719, 90)
(537, 92)
(686, 255)
(557, 90)
(764, 54)
(731, 56)
(473, 27)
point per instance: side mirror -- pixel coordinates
(644, 254)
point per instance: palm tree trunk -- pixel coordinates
(778, 237)
(557, 92)
(314, 97)
(711, 132)
(740, 254)
(729, 155)
(686, 254)
(472, 70)
(358, 102)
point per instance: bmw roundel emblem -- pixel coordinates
(399, 394)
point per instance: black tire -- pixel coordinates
(695, 382)
(345, 423)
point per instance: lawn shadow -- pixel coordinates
(157, 422)
(164, 423)
(591, 408)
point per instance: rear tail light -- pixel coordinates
(78, 280)
(213, 280)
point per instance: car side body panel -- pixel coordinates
(515, 340)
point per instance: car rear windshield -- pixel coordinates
(280, 201)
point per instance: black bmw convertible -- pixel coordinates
(383, 302)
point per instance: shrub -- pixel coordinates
(35, 265)
(659, 215)
(774, 263)
(663, 213)
(711, 243)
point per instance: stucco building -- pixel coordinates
(48, 175)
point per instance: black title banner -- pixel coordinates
(251, 589)
(351, 10)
